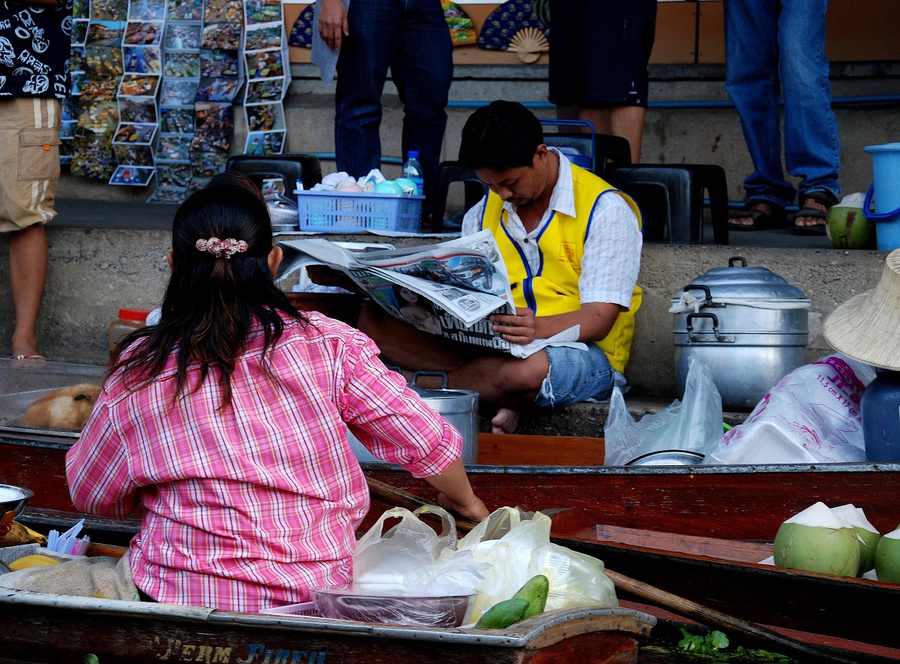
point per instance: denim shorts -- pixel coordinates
(575, 375)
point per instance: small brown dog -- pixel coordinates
(67, 408)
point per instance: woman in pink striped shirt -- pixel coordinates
(228, 422)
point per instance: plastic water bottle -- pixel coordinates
(880, 410)
(412, 170)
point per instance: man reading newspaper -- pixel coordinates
(571, 245)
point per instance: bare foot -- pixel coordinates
(505, 421)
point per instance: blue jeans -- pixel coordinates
(412, 39)
(775, 47)
(575, 375)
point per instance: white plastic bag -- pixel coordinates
(407, 559)
(513, 548)
(811, 415)
(693, 424)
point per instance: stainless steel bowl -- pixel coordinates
(667, 458)
(13, 498)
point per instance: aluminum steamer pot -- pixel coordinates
(751, 329)
(459, 407)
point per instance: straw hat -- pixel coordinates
(867, 326)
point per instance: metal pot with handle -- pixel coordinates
(459, 407)
(747, 324)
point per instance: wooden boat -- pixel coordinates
(622, 515)
(42, 627)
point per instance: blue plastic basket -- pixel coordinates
(343, 212)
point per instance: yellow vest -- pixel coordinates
(553, 289)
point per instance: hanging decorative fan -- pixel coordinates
(301, 33)
(529, 44)
(515, 20)
(462, 30)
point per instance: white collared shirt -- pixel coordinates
(612, 250)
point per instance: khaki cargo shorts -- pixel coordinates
(29, 161)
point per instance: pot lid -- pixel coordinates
(738, 281)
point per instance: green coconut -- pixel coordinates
(815, 540)
(887, 557)
(868, 535)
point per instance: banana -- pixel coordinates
(535, 593)
(36, 560)
(19, 534)
(503, 614)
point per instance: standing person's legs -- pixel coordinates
(27, 275)
(625, 121)
(29, 174)
(422, 68)
(598, 62)
(361, 73)
(751, 77)
(812, 143)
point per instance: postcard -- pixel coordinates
(222, 35)
(271, 142)
(214, 116)
(138, 85)
(135, 133)
(265, 64)
(100, 115)
(183, 36)
(108, 10)
(143, 33)
(92, 156)
(173, 175)
(103, 60)
(263, 36)
(223, 11)
(178, 92)
(168, 195)
(147, 10)
(134, 176)
(137, 110)
(136, 155)
(263, 11)
(217, 89)
(142, 59)
(184, 10)
(264, 117)
(265, 89)
(176, 120)
(182, 65)
(105, 33)
(173, 148)
(217, 62)
(79, 32)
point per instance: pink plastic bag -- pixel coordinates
(811, 415)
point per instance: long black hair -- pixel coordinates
(213, 300)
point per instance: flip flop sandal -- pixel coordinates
(32, 356)
(823, 197)
(761, 220)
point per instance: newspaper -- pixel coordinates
(448, 289)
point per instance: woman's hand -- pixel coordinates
(474, 509)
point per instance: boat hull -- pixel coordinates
(54, 628)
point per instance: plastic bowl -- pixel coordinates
(344, 603)
(13, 498)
